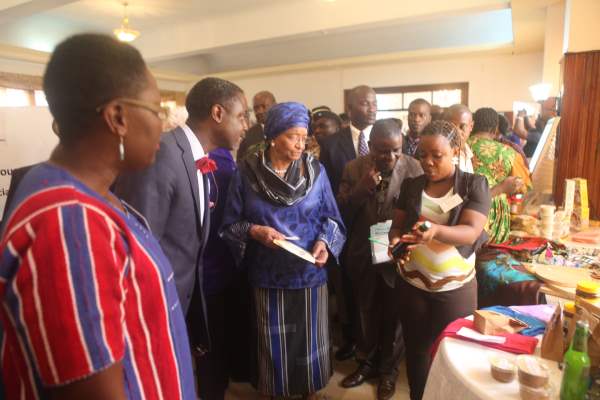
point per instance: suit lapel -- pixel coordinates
(191, 170)
(206, 217)
(397, 177)
(347, 145)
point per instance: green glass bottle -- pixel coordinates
(576, 369)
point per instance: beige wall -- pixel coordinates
(495, 80)
(582, 31)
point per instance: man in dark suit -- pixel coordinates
(173, 195)
(261, 104)
(419, 116)
(370, 186)
(336, 151)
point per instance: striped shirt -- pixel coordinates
(83, 286)
(437, 266)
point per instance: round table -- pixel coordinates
(461, 370)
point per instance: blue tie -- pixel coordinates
(363, 149)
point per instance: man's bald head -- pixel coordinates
(261, 103)
(362, 106)
(461, 117)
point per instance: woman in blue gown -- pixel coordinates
(277, 193)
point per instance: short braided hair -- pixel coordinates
(445, 129)
(485, 120)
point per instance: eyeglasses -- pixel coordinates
(161, 113)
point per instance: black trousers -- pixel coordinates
(424, 316)
(346, 310)
(229, 328)
(380, 341)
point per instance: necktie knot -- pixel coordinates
(363, 149)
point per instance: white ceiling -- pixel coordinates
(493, 28)
(206, 36)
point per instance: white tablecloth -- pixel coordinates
(461, 370)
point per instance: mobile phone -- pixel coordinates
(400, 248)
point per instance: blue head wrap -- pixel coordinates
(284, 116)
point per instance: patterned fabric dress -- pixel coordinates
(494, 160)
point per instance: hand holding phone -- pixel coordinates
(400, 248)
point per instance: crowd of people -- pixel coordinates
(141, 264)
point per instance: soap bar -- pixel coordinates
(493, 323)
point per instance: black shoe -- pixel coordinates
(345, 352)
(363, 373)
(386, 389)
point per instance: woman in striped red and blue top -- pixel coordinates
(89, 308)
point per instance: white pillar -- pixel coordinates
(553, 45)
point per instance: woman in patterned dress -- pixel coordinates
(503, 167)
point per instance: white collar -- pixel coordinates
(466, 151)
(356, 131)
(197, 150)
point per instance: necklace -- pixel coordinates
(280, 171)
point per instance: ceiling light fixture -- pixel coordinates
(125, 33)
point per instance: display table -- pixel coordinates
(504, 279)
(461, 370)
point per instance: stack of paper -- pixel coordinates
(379, 243)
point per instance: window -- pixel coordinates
(393, 102)
(10, 97)
(14, 98)
(40, 98)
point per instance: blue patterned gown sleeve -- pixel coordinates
(315, 217)
(332, 229)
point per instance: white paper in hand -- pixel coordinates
(295, 250)
(379, 251)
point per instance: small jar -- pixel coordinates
(516, 203)
(502, 368)
(539, 393)
(587, 291)
(532, 371)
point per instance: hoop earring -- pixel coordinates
(272, 144)
(121, 149)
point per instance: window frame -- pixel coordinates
(463, 86)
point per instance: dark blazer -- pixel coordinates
(360, 211)
(167, 194)
(253, 136)
(475, 194)
(336, 151)
(16, 176)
